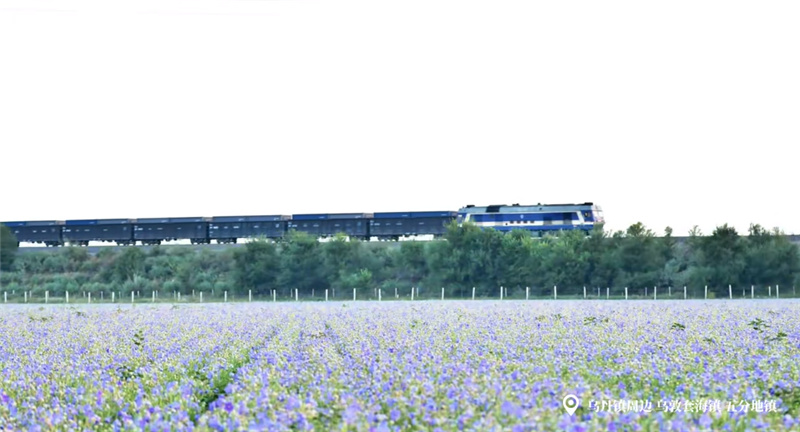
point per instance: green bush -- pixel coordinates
(173, 285)
(138, 284)
(7, 278)
(97, 287)
(55, 263)
(207, 287)
(12, 287)
(468, 257)
(221, 286)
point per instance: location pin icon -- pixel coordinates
(571, 403)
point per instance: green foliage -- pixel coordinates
(412, 262)
(722, 257)
(468, 257)
(678, 326)
(138, 284)
(256, 265)
(361, 279)
(302, 264)
(8, 248)
(128, 265)
(74, 257)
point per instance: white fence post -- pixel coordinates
(154, 297)
(501, 292)
(46, 296)
(201, 296)
(380, 294)
(730, 292)
(395, 293)
(250, 295)
(442, 293)
(769, 292)
(274, 296)
(752, 292)
(67, 296)
(132, 293)
(25, 293)
(626, 293)
(326, 294)
(684, 292)
(354, 294)
(608, 293)
(473, 293)
(90, 297)
(655, 293)
(669, 289)
(296, 294)
(527, 292)
(555, 292)
(584, 292)
(225, 296)
(705, 296)
(412, 293)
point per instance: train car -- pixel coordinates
(393, 225)
(354, 225)
(81, 232)
(538, 218)
(153, 231)
(228, 229)
(47, 232)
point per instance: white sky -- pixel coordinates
(670, 113)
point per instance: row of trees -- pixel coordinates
(469, 256)
(8, 248)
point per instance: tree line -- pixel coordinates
(467, 257)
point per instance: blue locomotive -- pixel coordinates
(539, 218)
(364, 226)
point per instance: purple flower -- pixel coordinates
(705, 420)
(511, 409)
(350, 414)
(292, 403)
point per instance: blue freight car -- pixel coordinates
(81, 232)
(47, 232)
(393, 225)
(228, 229)
(153, 231)
(355, 225)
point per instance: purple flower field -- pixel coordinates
(403, 366)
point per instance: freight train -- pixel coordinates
(537, 219)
